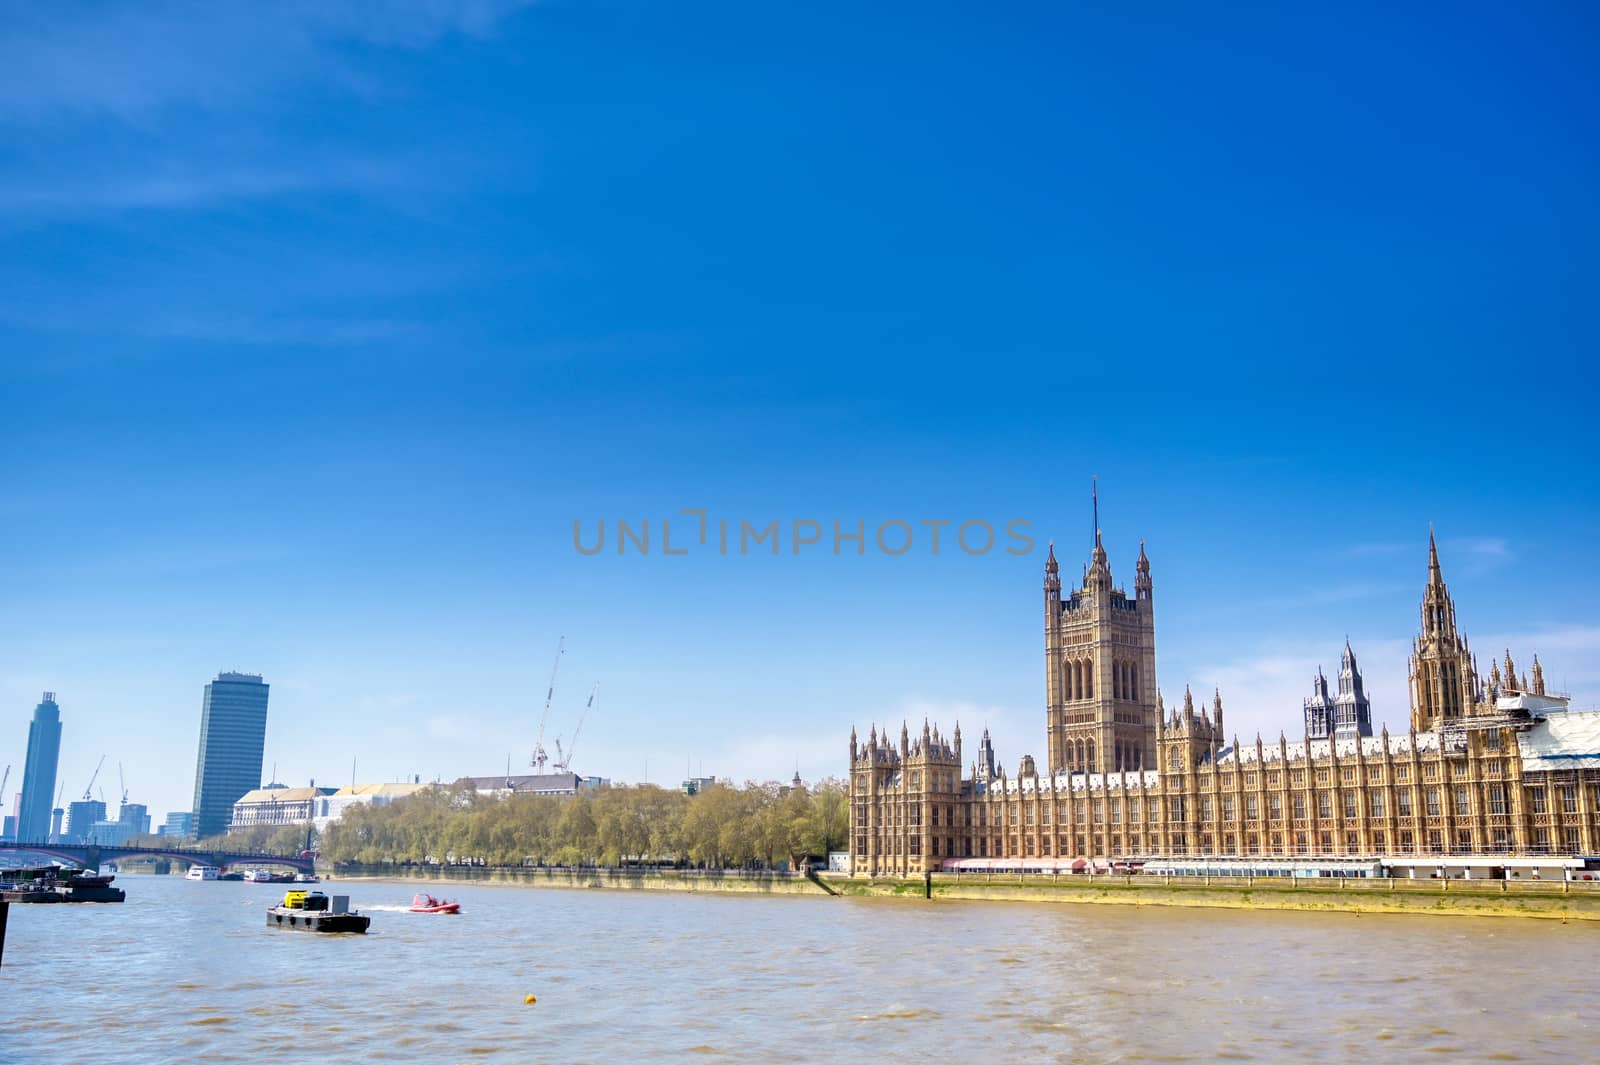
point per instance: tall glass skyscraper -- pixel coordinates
(233, 732)
(39, 775)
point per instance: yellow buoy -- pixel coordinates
(529, 1000)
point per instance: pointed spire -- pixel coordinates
(1538, 676)
(1434, 576)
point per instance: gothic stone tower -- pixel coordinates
(1100, 670)
(1444, 679)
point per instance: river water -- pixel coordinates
(187, 971)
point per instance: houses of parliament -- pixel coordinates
(1490, 765)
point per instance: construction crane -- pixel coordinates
(88, 791)
(4, 780)
(124, 785)
(539, 757)
(564, 761)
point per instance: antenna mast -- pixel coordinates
(539, 757)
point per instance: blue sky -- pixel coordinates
(317, 335)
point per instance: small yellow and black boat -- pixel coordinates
(312, 911)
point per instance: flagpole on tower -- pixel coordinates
(1094, 492)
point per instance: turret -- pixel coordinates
(1141, 584)
(1538, 676)
(853, 751)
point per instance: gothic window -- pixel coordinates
(1299, 807)
(1536, 800)
(1376, 804)
(1433, 802)
(1569, 798)
(1402, 800)
(1463, 802)
(1251, 809)
(1275, 804)
(1324, 805)
(1089, 753)
(1088, 680)
(1227, 808)
(1497, 798)
(1349, 804)
(1174, 758)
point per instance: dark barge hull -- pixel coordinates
(317, 921)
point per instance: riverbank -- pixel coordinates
(1461, 898)
(1458, 898)
(727, 882)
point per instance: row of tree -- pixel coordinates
(724, 826)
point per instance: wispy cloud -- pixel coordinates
(197, 185)
(131, 63)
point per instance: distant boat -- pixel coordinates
(429, 904)
(306, 878)
(257, 876)
(232, 874)
(201, 872)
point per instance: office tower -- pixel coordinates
(39, 774)
(82, 814)
(179, 825)
(233, 732)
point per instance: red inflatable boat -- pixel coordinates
(429, 904)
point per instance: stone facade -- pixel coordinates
(1490, 765)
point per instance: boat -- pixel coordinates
(257, 876)
(201, 872)
(429, 904)
(306, 878)
(36, 885)
(91, 887)
(52, 883)
(312, 911)
(232, 874)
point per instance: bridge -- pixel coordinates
(89, 856)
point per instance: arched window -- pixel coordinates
(1089, 754)
(1088, 689)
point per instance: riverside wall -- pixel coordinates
(1555, 900)
(729, 882)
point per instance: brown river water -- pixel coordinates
(188, 972)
